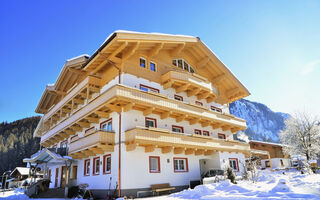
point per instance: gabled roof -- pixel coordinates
(46, 155)
(68, 76)
(122, 44)
(21, 171)
(119, 44)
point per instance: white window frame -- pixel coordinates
(233, 161)
(179, 169)
(107, 122)
(87, 163)
(157, 164)
(189, 67)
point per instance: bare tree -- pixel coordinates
(301, 136)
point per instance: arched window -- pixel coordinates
(181, 63)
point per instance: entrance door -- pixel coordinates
(56, 178)
(63, 176)
(74, 172)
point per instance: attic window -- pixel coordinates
(182, 64)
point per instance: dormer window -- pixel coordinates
(182, 64)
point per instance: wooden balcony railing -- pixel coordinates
(180, 142)
(192, 84)
(92, 143)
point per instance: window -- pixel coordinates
(197, 131)
(206, 133)
(87, 167)
(153, 66)
(180, 164)
(96, 166)
(181, 63)
(143, 62)
(107, 164)
(177, 129)
(64, 144)
(147, 88)
(267, 163)
(177, 97)
(216, 109)
(221, 136)
(233, 162)
(154, 164)
(151, 122)
(199, 103)
(106, 125)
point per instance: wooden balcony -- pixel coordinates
(192, 84)
(180, 143)
(77, 95)
(93, 143)
(121, 98)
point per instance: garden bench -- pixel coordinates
(157, 188)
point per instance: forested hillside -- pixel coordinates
(16, 142)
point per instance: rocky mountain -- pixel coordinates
(263, 124)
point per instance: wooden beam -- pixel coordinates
(128, 107)
(148, 111)
(65, 110)
(117, 51)
(149, 148)
(94, 89)
(215, 125)
(97, 150)
(181, 118)
(199, 152)
(232, 92)
(87, 152)
(76, 128)
(130, 51)
(177, 50)
(182, 88)
(189, 151)
(167, 85)
(235, 129)
(165, 115)
(106, 147)
(114, 108)
(166, 149)
(102, 114)
(93, 120)
(203, 95)
(203, 62)
(218, 79)
(225, 127)
(208, 152)
(193, 92)
(178, 150)
(205, 124)
(194, 121)
(70, 132)
(84, 124)
(78, 101)
(76, 71)
(210, 99)
(156, 49)
(131, 147)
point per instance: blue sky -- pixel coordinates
(273, 47)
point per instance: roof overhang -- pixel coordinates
(45, 156)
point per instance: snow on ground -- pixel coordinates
(271, 185)
(17, 194)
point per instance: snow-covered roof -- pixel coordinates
(45, 155)
(21, 170)
(80, 56)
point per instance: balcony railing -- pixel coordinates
(179, 143)
(192, 84)
(75, 96)
(92, 143)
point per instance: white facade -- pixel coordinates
(135, 172)
(277, 163)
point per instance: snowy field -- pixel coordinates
(271, 185)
